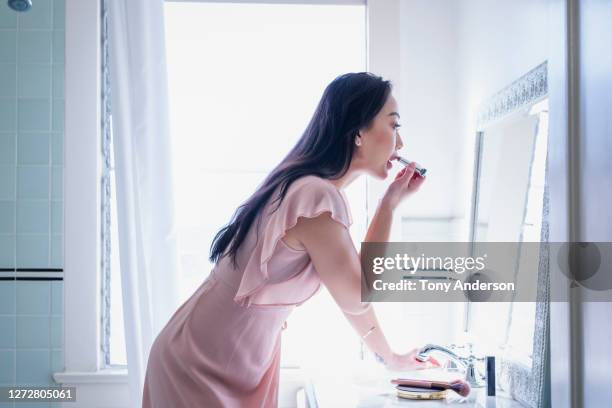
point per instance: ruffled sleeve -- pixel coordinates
(308, 197)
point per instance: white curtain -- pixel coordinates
(147, 240)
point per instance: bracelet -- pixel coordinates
(368, 332)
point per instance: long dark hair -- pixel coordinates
(349, 103)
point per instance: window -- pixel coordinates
(112, 331)
(116, 339)
(244, 80)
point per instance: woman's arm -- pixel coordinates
(335, 258)
(380, 226)
(378, 231)
(337, 262)
(403, 185)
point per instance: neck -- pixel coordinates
(348, 177)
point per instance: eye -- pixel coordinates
(396, 125)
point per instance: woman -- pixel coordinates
(222, 347)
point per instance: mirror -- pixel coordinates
(509, 205)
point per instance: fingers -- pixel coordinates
(433, 361)
(416, 179)
(408, 172)
(400, 174)
(408, 361)
(405, 170)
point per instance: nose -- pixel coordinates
(398, 142)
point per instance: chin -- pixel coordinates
(380, 174)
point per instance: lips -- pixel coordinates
(393, 157)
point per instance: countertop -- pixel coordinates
(359, 389)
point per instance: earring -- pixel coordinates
(357, 142)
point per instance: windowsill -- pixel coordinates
(119, 376)
(104, 376)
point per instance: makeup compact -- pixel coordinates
(416, 393)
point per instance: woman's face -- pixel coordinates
(380, 143)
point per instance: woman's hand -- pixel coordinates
(408, 362)
(406, 182)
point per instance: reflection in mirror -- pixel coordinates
(508, 205)
(510, 185)
(522, 316)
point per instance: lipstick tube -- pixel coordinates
(405, 162)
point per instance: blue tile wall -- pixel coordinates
(31, 192)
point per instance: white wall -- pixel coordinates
(429, 70)
(454, 55)
(593, 325)
(498, 42)
(426, 95)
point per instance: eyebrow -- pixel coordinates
(394, 113)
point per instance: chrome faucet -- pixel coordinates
(472, 376)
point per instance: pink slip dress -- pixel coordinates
(221, 348)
